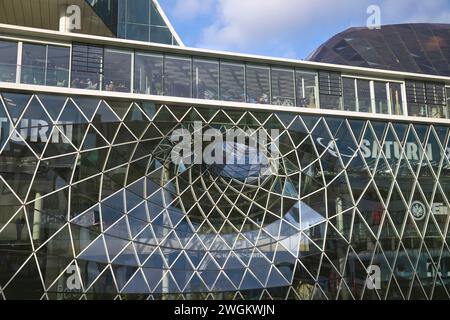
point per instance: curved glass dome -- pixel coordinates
(248, 164)
(418, 48)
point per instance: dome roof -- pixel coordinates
(419, 48)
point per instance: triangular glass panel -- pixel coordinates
(136, 285)
(15, 104)
(53, 104)
(87, 105)
(95, 252)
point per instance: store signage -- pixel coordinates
(419, 210)
(33, 130)
(371, 150)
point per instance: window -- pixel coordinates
(137, 32)
(87, 66)
(447, 107)
(45, 65)
(330, 90)
(177, 76)
(258, 84)
(58, 66)
(426, 99)
(117, 71)
(137, 11)
(349, 94)
(364, 96)
(8, 61)
(206, 79)
(155, 17)
(381, 97)
(283, 91)
(436, 100)
(148, 74)
(140, 20)
(232, 81)
(160, 35)
(33, 64)
(395, 96)
(306, 83)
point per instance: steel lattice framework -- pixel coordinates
(92, 206)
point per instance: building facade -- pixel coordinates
(339, 188)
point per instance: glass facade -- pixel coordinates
(316, 206)
(8, 61)
(107, 68)
(45, 65)
(93, 207)
(140, 20)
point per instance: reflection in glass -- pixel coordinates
(45, 65)
(364, 100)
(435, 94)
(177, 76)
(140, 20)
(117, 73)
(138, 32)
(206, 79)
(258, 84)
(232, 81)
(381, 97)
(138, 11)
(283, 91)
(306, 83)
(447, 107)
(160, 35)
(58, 66)
(8, 61)
(87, 66)
(395, 94)
(148, 74)
(349, 91)
(33, 64)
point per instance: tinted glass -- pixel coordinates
(232, 81)
(306, 89)
(58, 66)
(177, 76)
(206, 79)
(117, 73)
(160, 35)
(381, 102)
(283, 91)
(137, 32)
(148, 72)
(349, 91)
(258, 84)
(364, 99)
(395, 95)
(138, 11)
(8, 61)
(87, 66)
(33, 64)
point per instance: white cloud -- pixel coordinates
(250, 24)
(192, 9)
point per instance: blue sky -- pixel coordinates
(286, 28)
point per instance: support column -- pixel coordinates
(37, 215)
